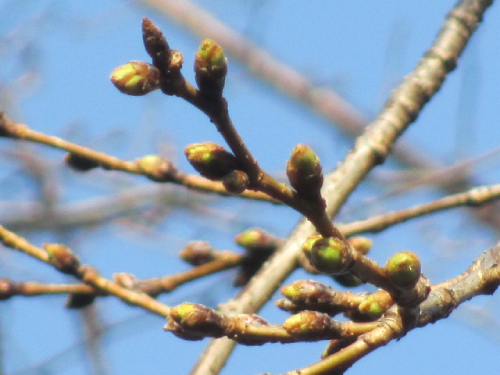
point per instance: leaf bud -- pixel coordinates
(403, 269)
(156, 168)
(155, 43)
(236, 182)
(136, 78)
(80, 163)
(62, 258)
(210, 160)
(308, 325)
(198, 318)
(210, 68)
(197, 253)
(257, 239)
(329, 255)
(304, 171)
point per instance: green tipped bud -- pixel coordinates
(62, 258)
(304, 171)
(210, 68)
(210, 160)
(257, 239)
(155, 43)
(376, 304)
(361, 244)
(197, 253)
(403, 269)
(198, 318)
(307, 291)
(80, 163)
(156, 168)
(309, 243)
(307, 324)
(136, 78)
(236, 182)
(329, 255)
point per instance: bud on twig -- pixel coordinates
(257, 239)
(80, 163)
(156, 168)
(62, 258)
(376, 304)
(136, 78)
(210, 68)
(236, 182)
(304, 171)
(403, 269)
(197, 253)
(329, 255)
(155, 42)
(198, 318)
(308, 325)
(210, 160)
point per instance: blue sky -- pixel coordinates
(359, 49)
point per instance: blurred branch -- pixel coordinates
(370, 149)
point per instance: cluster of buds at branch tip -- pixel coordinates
(210, 68)
(136, 78)
(156, 168)
(211, 160)
(403, 270)
(329, 255)
(80, 163)
(62, 258)
(304, 171)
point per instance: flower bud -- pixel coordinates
(308, 325)
(329, 255)
(235, 182)
(62, 258)
(376, 304)
(197, 253)
(304, 171)
(156, 168)
(257, 239)
(136, 78)
(210, 68)
(210, 160)
(80, 163)
(403, 269)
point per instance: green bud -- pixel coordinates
(256, 239)
(62, 258)
(80, 163)
(210, 68)
(403, 269)
(304, 171)
(210, 160)
(235, 182)
(136, 78)
(156, 168)
(307, 324)
(309, 243)
(376, 304)
(329, 255)
(198, 318)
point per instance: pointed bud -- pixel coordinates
(155, 43)
(210, 68)
(361, 244)
(236, 182)
(156, 168)
(403, 269)
(80, 163)
(197, 253)
(329, 255)
(210, 160)
(62, 258)
(304, 171)
(136, 78)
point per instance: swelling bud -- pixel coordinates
(210, 160)
(304, 171)
(403, 270)
(136, 78)
(210, 68)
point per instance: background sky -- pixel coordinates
(56, 59)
